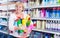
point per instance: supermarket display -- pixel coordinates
(52, 13)
(42, 19)
(46, 15)
(50, 25)
(43, 2)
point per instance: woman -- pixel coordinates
(18, 14)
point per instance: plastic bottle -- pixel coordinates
(43, 25)
(51, 25)
(52, 36)
(46, 2)
(47, 23)
(28, 23)
(58, 12)
(43, 2)
(51, 2)
(47, 14)
(24, 20)
(58, 1)
(37, 2)
(55, 29)
(46, 36)
(43, 12)
(58, 26)
(50, 13)
(55, 2)
(0, 27)
(54, 13)
(19, 23)
(39, 24)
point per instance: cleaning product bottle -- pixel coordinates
(47, 23)
(58, 12)
(51, 2)
(37, 2)
(53, 25)
(19, 23)
(43, 12)
(43, 25)
(43, 2)
(47, 13)
(46, 35)
(28, 22)
(58, 1)
(58, 26)
(24, 21)
(54, 13)
(52, 35)
(46, 2)
(55, 2)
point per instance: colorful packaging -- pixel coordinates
(54, 13)
(58, 1)
(47, 14)
(43, 12)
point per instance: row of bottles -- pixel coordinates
(51, 25)
(45, 13)
(43, 2)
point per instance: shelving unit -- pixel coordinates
(3, 24)
(34, 5)
(11, 7)
(3, 16)
(42, 6)
(39, 12)
(45, 19)
(47, 31)
(3, 32)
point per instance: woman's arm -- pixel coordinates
(11, 23)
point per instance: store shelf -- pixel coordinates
(5, 1)
(4, 32)
(41, 6)
(3, 24)
(38, 18)
(45, 19)
(46, 31)
(10, 7)
(3, 17)
(4, 7)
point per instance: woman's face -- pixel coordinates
(19, 8)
